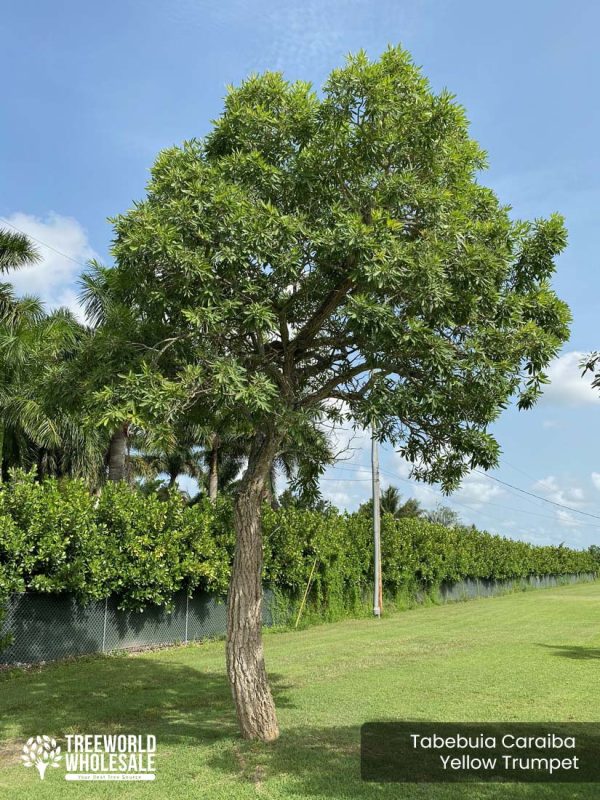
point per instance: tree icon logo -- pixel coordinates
(41, 752)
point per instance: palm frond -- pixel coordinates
(16, 250)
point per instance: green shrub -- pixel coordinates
(56, 537)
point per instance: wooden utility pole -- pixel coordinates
(377, 586)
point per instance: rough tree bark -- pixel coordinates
(213, 469)
(270, 495)
(245, 659)
(117, 455)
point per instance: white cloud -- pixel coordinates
(401, 465)
(567, 385)
(550, 487)
(566, 519)
(550, 423)
(476, 490)
(596, 479)
(53, 277)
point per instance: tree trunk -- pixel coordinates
(117, 455)
(271, 490)
(213, 469)
(245, 659)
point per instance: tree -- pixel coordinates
(118, 342)
(411, 508)
(184, 458)
(390, 500)
(42, 425)
(293, 499)
(391, 503)
(322, 255)
(37, 429)
(16, 250)
(442, 515)
(591, 363)
(594, 551)
(213, 461)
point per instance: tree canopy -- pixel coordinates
(314, 249)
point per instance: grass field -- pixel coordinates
(531, 656)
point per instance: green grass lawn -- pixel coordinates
(531, 656)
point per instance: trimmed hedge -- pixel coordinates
(56, 537)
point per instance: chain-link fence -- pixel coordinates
(47, 627)
(471, 588)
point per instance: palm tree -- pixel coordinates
(15, 251)
(149, 460)
(110, 351)
(391, 503)
(42, 424)
(302, 459)
(411, 508)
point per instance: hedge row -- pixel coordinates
(55, 537)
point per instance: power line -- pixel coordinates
(450, 499)
(537, 496)
(518, 469)
(348, 480)
(422, 486)
(44, 244)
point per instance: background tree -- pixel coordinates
(16, 251)
(594, 551)
(184, 458)
(43, 425)
(390, 502)
(442, 515)
(320, 255)
(39, 427)
(211, 460)
(294, 499)
(411, 508)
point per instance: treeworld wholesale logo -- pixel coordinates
(41, 752)
(94, 757)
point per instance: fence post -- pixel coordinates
(104, 630)
(187, 603)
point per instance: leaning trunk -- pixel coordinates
(117, 455)
(213, 469)
(245, 659)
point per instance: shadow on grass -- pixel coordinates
(122, 694)
(312, 762)
(187, 707)
(577, 652)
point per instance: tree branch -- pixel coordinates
(311, 328)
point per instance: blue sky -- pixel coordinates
(93, 91)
